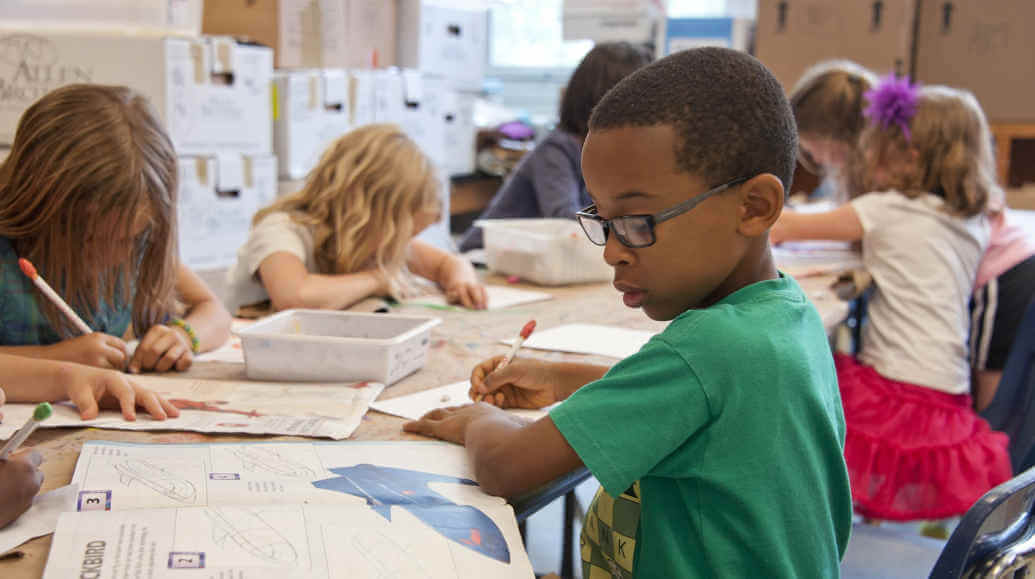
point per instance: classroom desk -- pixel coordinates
(462, 340)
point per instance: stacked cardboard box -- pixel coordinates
(792, 35)
(212, 93)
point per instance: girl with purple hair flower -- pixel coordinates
(915, 448)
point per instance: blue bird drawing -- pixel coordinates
(384, 487)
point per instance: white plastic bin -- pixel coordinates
(543, 251)
(329, 346)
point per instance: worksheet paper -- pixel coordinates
(322, 510)
(413, 406)
(299, 409)
(41, 518)
(793, 256)
(500, 297)
(588, 339)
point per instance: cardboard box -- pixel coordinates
(363, 96)
(686, 33)
(311, 110)
(793, 35)
(460, 133)
(162, 16)
(445, 41)
(985, 47)
(218, 197)
(613, 20)
(311, 33)
(358, 33)
(212, 94)
(438, 233)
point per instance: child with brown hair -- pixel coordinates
(349, 232)
(828, 104)
(88, 195)
(548, 181)
(915, 448)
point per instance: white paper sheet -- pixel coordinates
(413, 406)
(834, 255)
(41, 518)
(588, 339)
(499, 297)
(323, 510)
(303, 409)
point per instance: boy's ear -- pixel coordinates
(761, 201)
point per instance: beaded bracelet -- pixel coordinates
(195, 344)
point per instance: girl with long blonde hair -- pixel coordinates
(349, 232)
(915, 448)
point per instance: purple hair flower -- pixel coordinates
(892, 101)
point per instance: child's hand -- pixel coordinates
(524, 383)
(20, 480)
(91, 389)
(163, 348)
(97, 349)
(449, 424)
(461, 285)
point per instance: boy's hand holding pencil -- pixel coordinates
(524, 383)
(20, 480)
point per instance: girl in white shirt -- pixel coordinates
(915, 449)
(348, 234)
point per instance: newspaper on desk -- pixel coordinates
(325, 510)
(294, 409)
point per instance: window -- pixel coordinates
(527, 34)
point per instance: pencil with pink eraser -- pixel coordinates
(30, 271)
(526, 331)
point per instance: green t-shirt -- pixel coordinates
(730, 422)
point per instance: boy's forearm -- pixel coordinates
(511, 456)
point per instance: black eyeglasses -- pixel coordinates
(637, 231)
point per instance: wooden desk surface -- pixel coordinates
(463, 339)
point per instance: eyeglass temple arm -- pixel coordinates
(694, 202)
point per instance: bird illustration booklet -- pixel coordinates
(283, 509)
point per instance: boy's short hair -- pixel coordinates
(730, 114)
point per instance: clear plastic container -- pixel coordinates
(543, 251)
(330, 346)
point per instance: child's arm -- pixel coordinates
(20, 480)
(841, 224)
(509, 455)
(31, 380)
(290, 285)
(165, 347)
(528, 383)
(452, 273)
(95, 349)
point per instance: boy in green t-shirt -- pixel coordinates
(719, 443)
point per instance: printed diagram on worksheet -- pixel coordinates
(377, 510)
(303, 409)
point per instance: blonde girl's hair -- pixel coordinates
(360, 202)
(953, 145)
(828, 100)
(90, 164)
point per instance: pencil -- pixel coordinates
(30, 271)
(42, 412)
(526, 331)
